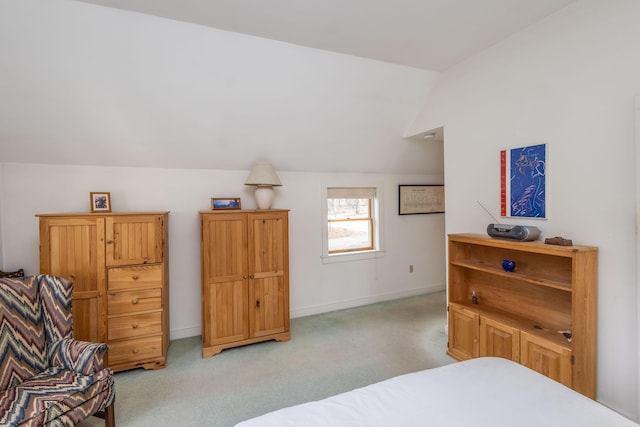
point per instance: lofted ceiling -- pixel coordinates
(136, 90)
(426, 34)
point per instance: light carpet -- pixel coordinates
(328, 353)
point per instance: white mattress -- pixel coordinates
(483, 392)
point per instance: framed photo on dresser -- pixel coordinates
(226, 203)
(100, 201)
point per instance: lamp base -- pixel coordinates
(264, 196)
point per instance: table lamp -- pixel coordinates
(264, 177)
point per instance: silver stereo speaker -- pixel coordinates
(524, 233)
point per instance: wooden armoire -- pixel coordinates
(245, 278)
(119, 265)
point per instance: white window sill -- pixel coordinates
(357, 256)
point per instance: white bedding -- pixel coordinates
(483, 392)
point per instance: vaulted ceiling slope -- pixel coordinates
(136, 83)
(427, 34)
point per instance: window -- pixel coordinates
(351, 223)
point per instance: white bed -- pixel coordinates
(483, 392)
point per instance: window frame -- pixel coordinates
(370, 218)
(376, 214)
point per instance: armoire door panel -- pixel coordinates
(225, 309)
(73, 249)
(266, 253)
(85, 321)
(225, 239)
(270, 314)
(134, 240)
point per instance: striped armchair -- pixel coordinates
(46, 377)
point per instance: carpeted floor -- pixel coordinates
(328, 353)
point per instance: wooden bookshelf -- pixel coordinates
(524, 315)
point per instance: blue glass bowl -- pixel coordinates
(508, 265)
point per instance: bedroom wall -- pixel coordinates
(315, 287)
(85, 84)
(570, 82)
(165, 115)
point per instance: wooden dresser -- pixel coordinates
(245, 278)
(119, 265)
(525, 315)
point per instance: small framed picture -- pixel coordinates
(100, 201)
(228, 203)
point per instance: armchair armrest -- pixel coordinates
(80, 356)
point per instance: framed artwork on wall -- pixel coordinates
(523, 182)
(420, 199)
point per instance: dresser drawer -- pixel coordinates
(135, 277)
(132, 301)
(135, 325)
(134, 350)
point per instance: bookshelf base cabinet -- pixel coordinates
(245, 278)
(542, 315)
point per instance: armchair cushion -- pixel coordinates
(53, 396)
(79, 356)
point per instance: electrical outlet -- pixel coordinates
(411, 268)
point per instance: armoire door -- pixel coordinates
(268, 267)
(73, 248)
(134, 239)
(225, 279)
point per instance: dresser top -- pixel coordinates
(102, 214)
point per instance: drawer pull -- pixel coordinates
(135, 277)
(135, 301)
(134, 326)
(109, 242)
(135, 351)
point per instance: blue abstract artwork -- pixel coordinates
(526, 192)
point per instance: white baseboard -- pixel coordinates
(325, 308)
(176, 334)
(192, 331)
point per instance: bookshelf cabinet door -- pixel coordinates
(499, 340)
(463, 333)
(546, 358)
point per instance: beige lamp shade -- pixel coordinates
(264, 177)
(263, 173)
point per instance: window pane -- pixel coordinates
(348, 208)
(349, 235)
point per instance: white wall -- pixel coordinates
(165, 115)
(637, 176)
(315, 287)
(85, 84)
(569, 82)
